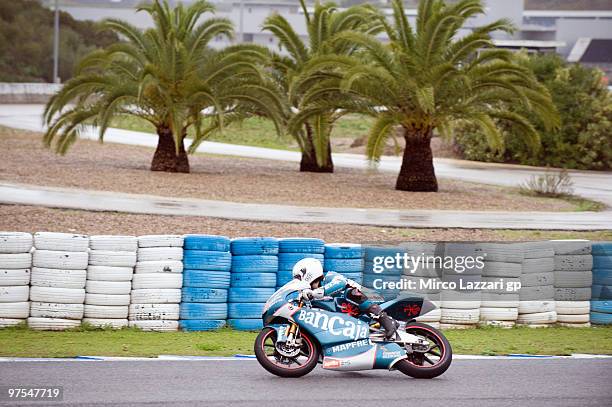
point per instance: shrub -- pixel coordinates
(549, 184)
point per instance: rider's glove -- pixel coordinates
(309, 294)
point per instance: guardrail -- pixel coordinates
(27, 92)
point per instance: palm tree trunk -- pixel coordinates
(309, 157)
(417, 172)
(165, 157)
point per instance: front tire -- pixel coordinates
(271, 360)
(430, 364)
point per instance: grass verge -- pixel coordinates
(22, 342)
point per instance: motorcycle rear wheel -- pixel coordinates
(269, 358)
(433, 363)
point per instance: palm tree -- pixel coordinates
(312, 132)
(166, 75)
(430, 79)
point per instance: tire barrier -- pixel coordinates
(601, 290)
(536, 296)
(374, 272)
(157, 283)
(15, 270)
(573, 279)
(58, 280)
(206, 279)
(291, 250)
(109, 280)
(345, 259)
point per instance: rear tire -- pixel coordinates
(419, 369)
(275, 367)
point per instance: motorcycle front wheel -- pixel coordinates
(432, 362)
(274, 362)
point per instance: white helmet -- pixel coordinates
(308, 270)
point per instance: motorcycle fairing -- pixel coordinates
(406, 308)
(362, 355)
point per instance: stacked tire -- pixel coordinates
(375, 273)
(499, 307)
(292, 250)
(345, 259)
(460, 308)
(253, 280)
(573, 281)
(537, 304)
(601, 301)
(206, 278)
(157, 282)
(109, 280)
(15, 266)
(59, 274)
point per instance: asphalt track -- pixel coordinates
(480, 383)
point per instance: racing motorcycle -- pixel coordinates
(299, 333)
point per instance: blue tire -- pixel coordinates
(207, 260)
(208, 295)
(207, 242)
(599, 318)
(343, 265)
(301, 245)
(602, 262)
(601, 292)
(601, 249)
(201, 324)
(283, 277)
(246, 324)
(249, 310)
(356, 277)
(245, 246)
(343, 251)
(602, 306)
(370, 252)
(253, 280)
(241, 294)
(206, 279)
(254, 264)
(286, 261)
(200, 311)
(368, 267)
(602, 277)
(369, 279)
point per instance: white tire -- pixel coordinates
(157, 280)
(60, 259)
(500, 269)
(117, 323)
(444, 326)
(160, 241)
(113, 243)
(104, 273)
(501, 284)
(146, 312)
(532, 307)
(15, 261)
(454, 249)
(460, 304)
(8, 322)
(536, 326)
(58, 295)
(498, 324)
(572, 307)
(573, 318)
(537, 293)
(106, 299)
(460, 316)
(537, 250)
(164, 266)
(15, 242)
(573, 279)
(42, 277)
(572, 294)
(55, 310)
(106, 311)
(432, 316)
(14, 277)
(503, 252)
(66, 242)
(537, 279)
(108, 287)
(156, 296)
(112, 259)
(421, 284)
(572, 247)
(14, 310)
(464, 295)
(492, 300)
(160, 253)
(543, 265)
(498, 314)
(435, 325)
(52, 324)
(549, 317)
(157, 326)
(574, 262)
(14, 294)
(578, 325)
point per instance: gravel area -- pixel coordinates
(35, 219)
(114, 167)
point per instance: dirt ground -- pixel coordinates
(114, 167)
(36, 219)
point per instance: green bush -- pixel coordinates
(584, 139)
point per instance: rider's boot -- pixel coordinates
(388, 324)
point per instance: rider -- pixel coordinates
(333, 284)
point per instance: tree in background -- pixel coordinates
(166, 75)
